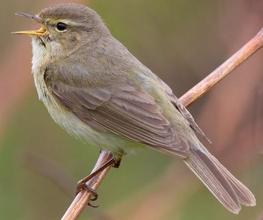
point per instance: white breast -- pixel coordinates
(38, 62)
(60, 115)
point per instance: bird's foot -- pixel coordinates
(83, 183)
(82, 186)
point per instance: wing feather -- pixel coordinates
(123, 108)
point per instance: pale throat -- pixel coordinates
(39, 55)
(42, 54)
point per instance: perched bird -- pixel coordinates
(97, 90)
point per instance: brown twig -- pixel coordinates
(223, 70)
(82, 198)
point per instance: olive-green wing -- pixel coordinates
(123, 109)
(183, 110)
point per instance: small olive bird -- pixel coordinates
(97, 90)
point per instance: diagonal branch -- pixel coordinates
(82, 198)
(223, 70)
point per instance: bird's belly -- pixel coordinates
(74, 126)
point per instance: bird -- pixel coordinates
(95, 89)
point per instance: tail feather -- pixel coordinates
(245, 197)
(229, 191)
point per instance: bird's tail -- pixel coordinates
(228, 190)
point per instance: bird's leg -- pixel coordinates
(82, 184)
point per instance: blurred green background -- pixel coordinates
(181, 41)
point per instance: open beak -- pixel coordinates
(40, 32)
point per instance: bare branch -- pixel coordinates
(223, 70)
(81, 200)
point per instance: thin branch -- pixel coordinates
(223, 70)
(82, 198)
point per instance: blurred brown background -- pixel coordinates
(182, 41)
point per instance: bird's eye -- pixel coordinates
(61, 27)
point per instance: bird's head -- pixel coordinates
(65, 27)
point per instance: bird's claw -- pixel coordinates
(82, 186)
